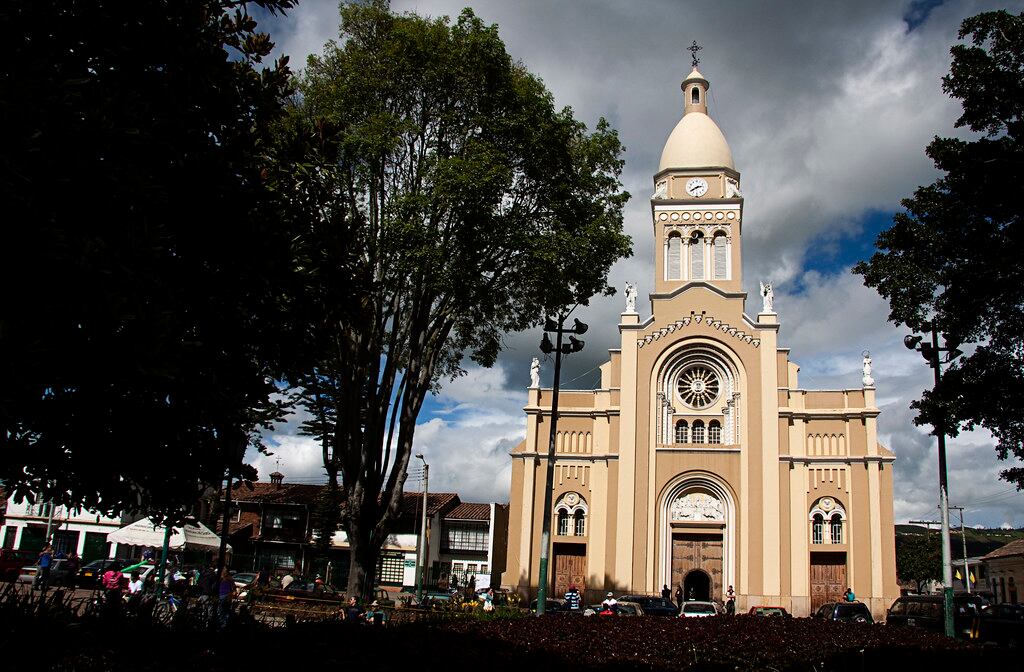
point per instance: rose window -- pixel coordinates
(699, 387)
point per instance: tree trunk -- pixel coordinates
(362, 566)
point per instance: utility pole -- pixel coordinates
(574, 345)
(963, 538)
(49, 522)
(933, 354)
(421, 549)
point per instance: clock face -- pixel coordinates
(697, 187)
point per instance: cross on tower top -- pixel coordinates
(693, 49)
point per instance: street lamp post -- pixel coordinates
(421, 547)
(933, 354)
(559, 348)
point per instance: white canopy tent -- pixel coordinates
(192, 536)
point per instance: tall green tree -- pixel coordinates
(918, 558)
(448, 202)
(143, 263)
(954, 254)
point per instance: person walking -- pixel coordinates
(572, 599)
(112, 590)
(44, 563)
(679, 595)
(666, 593)
(849, 596)
(73, 563)
(730, 601)
(225, 594)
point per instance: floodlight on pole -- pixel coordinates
(421, 547)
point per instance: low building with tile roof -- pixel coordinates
(1005, 569)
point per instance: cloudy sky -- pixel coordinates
(827, 107)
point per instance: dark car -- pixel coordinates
(91, 575)
(769, 610)
(653, 605)
(304, 591)
(550, 606)
(1003, 624)
(844, 612)
(60, 574)
(925, 611)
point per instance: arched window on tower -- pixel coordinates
(695, 95)
(579, 524)
(714, 432)
(836, 528)
(674, 267)
(682, 431)
(697, 256)
(563, 522)
(698, 431)
(818, 529)
(721, 266)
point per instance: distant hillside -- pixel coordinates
(979, 541)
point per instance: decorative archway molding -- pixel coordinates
(692, 482)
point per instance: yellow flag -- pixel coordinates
(973, 580)
(958, 575)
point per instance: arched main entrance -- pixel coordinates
(697, 586)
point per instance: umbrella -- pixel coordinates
(192, 536)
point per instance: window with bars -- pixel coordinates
(391, 569)
(698, 431)
(579, 524)
(817, 530)
(563, 523)
(682, 431)
(714, 432)
(465, 536)
(836, 529)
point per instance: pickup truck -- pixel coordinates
(11, 562)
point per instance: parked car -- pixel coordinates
(91, 575)
(60, 575)
(627, 608)
(1003, 624)
(11, 562)
(925, 611)
(550, 605)
(653, 605)
(698, 609)
(243, 579)
(845, 612)
(765, 610)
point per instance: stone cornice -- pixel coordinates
(839, 460)
(566, 457)
(828, 413)
(572, 412)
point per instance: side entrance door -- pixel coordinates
(570, 569)
(828, 578)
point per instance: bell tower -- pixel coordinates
(697, 206)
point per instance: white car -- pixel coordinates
(695, 609)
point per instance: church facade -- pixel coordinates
(700, 463)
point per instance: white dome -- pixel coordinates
(696, 142)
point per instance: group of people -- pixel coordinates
(730, 597)
(46, 560)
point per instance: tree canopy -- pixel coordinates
(953, 256)
(142, 264)
(918, 558)
(447, 201)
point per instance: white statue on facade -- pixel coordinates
(732, 188)
(630, 297)
(866, 370)
(535, 373)
(661, 190)
(767, 298)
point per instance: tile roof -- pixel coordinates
(470, 511)
(1012, 548)
(270, 493)
(441, 502)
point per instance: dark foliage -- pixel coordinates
(142, 260)
(953, 256)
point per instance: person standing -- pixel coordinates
(730, 601)
(225, 594)
(73, 563)
(679, 595)
(489, 600)
(287, 580)
(849, 596)
(353, 613)
(610, 606)
(666, 593)
(112, 590)
(375, 615)
(572, 599)
(44, 563)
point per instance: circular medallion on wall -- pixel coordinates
(571, 498)
(698, 386)
(826, 504)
